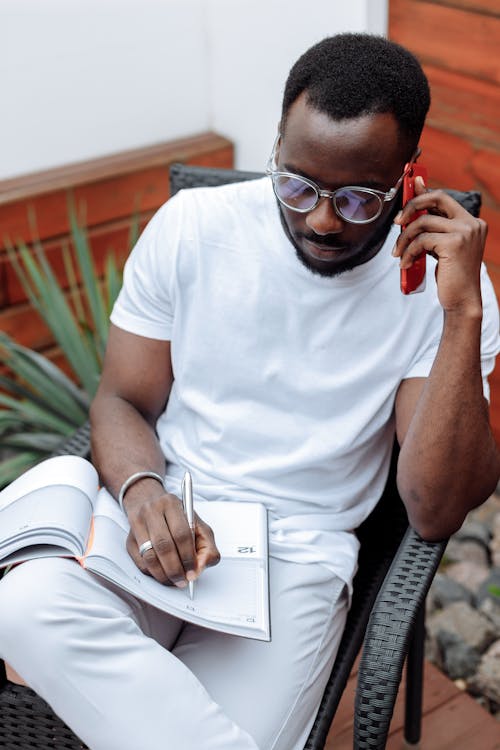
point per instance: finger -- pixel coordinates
(436, 202)
(133, 550)
(430, 243)
(148, 523)
(148, 568)
(164, 560)
(182, 536)
(207, 553)
(139, 533)
(420, 185)
(424, 223)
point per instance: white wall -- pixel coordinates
(85, 78)
(252, 47)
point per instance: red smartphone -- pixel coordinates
(413, 278)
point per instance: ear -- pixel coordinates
(273, 159)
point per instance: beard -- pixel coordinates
(362, 254)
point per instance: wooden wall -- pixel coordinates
(458, 44)
(109, 191)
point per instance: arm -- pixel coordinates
(133, 392)
(449, 462)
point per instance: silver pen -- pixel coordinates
(187, 502)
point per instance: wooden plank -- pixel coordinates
(485, 166)
(463, 105)
(459, 724)
(340, 734)
(23, 324)
(448, 37)
(114, 165)
(453, 162)
(113, 236)
(104, 200)
(437, 691)
(447, 157)
(476, 6)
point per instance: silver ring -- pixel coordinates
(145, 547)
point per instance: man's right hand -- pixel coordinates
(175, 558)
(134, 389)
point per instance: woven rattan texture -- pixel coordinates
(28, 723)
(76, 445)
(182, 176)
(388, 634)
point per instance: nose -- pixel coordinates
(324, 219)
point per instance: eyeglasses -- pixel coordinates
(357, 205)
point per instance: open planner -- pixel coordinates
(56, 508)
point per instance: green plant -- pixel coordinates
(39, 404)
(494, 590)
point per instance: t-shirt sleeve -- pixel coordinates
(490, 339)
(146, 302)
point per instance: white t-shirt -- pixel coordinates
(285, 381)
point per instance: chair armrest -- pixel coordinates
(389, 634)
(77, 444)
(367, 584)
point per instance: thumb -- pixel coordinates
(419, 185)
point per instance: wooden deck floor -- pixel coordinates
(452, 720)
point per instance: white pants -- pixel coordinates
(125, 676)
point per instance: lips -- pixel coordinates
(324, 251)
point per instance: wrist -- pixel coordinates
(468, 308)
(468, 316)
(139, 481)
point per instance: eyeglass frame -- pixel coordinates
(381, 195)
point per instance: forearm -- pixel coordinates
(449, 462)
(123, 442)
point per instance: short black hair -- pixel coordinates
(349, 75)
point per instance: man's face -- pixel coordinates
(364, 151)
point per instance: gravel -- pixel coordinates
(463, 607)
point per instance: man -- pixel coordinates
(261, 340)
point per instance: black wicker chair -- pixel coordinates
(386, 618)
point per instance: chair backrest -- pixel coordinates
(188, 176)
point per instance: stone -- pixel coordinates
(469, 624)
(469, 574)
(459, 659)
(445, 590)
(490, 588)
(495, 541)
(475, 531)
(470, 550)
(486, 681)
(491, 610)
(462, 620)
(487, 511)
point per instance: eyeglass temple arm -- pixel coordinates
(392, 192)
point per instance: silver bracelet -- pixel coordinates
(133, 478)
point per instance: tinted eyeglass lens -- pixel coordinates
(294, 192)
(357, 205)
